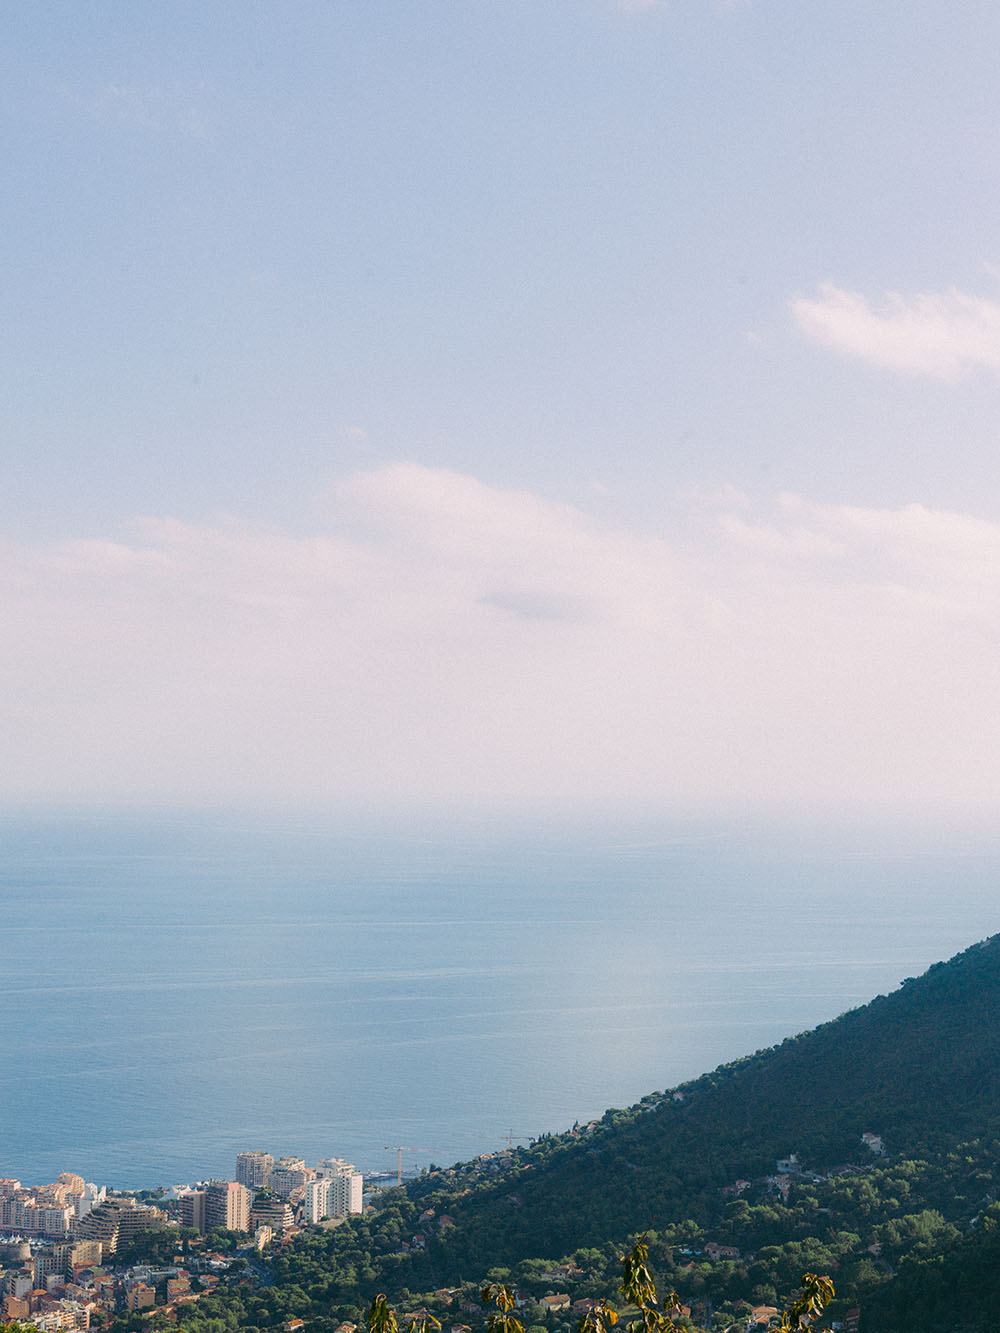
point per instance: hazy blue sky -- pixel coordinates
(505, 401)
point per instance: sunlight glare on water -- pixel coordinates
(189, 986)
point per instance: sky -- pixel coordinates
(565, 403)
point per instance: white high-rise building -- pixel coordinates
(336, 1194)
(334, 1166)
(314, 1203)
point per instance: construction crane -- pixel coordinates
(395, 1147)
(511, 1136)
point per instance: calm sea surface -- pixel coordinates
(180, 987)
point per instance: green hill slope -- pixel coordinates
(920, 1067)
(959, 1287)
(908, 1235)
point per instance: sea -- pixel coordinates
(180, 985)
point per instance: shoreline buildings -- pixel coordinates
(253, 1169)
(283, 1192)
(221, 1203)
(61, 1243)
(336, 1192)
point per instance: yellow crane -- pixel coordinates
(398, 1150)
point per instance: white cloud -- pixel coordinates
(448, 640)
(940, 334)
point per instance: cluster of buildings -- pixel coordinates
(57, 1237)
(46, 1210)
(274, 1194)
(58, 1242)
(68, 1285)
(72, 1209)
(332, 1188)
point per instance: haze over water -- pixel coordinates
(179, 987)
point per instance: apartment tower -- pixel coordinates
(253, 1169)
(227, 1204)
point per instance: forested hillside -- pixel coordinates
(919, 1067)
(902, 1219)
(956, 1286)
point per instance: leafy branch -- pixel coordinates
(638, 1286)
(500, 1320)
(812, 1300)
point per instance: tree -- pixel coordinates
(638, 1288)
